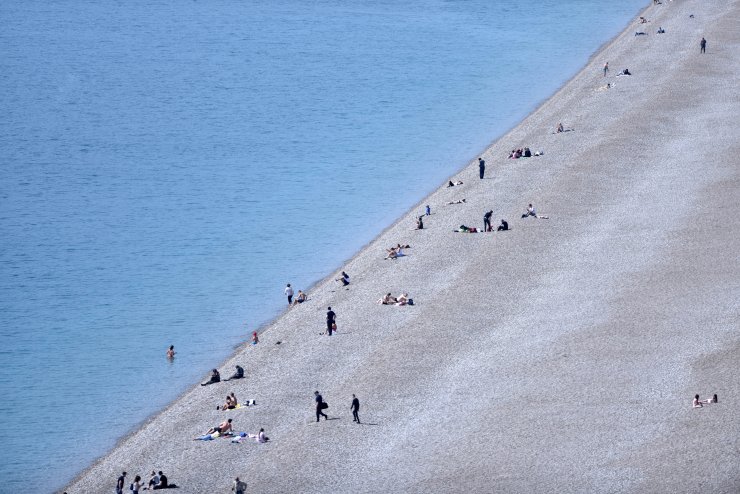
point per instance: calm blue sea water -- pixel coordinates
(167, 166)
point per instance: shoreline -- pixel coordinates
(495, 166)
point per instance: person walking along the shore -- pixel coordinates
(289, 293)
(321, 405)
(355, 409)
(481, 167)
(331, 318)
(703, 46)
(606, 68)
(120, 483)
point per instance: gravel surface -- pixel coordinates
(560, 356)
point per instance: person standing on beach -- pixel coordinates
(428, 210)
(320, 406)
(239, 487)
(703, 46)
(481, 167)
(120, 483)
(331, 319)
(606, 68)
(289, 293)
(355, 409)
(487, 221)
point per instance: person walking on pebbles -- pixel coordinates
(703, 46)
(606, 68)
(355, 407)
(487, 221)
(239, 487)
(331, 321)
(320, 406)
(289, 293)
(120, 483)
(481, 167)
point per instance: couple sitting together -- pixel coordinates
(402, 299)
(396, 252)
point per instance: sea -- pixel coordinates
(166, 167)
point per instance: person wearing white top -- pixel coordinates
(289, 293)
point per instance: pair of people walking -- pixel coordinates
(321, 405)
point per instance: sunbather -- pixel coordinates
(387, 300)
(222, 428)
(302, 297)
(459, 201)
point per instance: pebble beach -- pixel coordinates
(559, 356)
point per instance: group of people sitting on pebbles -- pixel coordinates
(402, 299)
(697, 403)
(524, 153)
(396, 252)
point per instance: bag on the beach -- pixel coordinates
(334, 326)
(324, 405)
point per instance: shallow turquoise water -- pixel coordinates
(166, 167)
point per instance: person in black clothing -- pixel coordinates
(162, 482)
(344, 279)
(355, 409)
(120, 483)
(481, 167)
(331, 318)
(239, 374)
(503, 226)
(215, 378)
(487, 221)
(320, 406)
(703, 46)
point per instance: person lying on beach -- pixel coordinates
(387, 300)
(466, 229)
(420, 223)
(239, 374)
(395, 252)
(643, 20)
(504, 226)
(402, 299)
(215, 377)
(171, 352)
(451, 184)
(344, 278)
(624, 72)
(222, 428)
(302, 297)
(459, 201)
(639, 33)
(604, 88)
